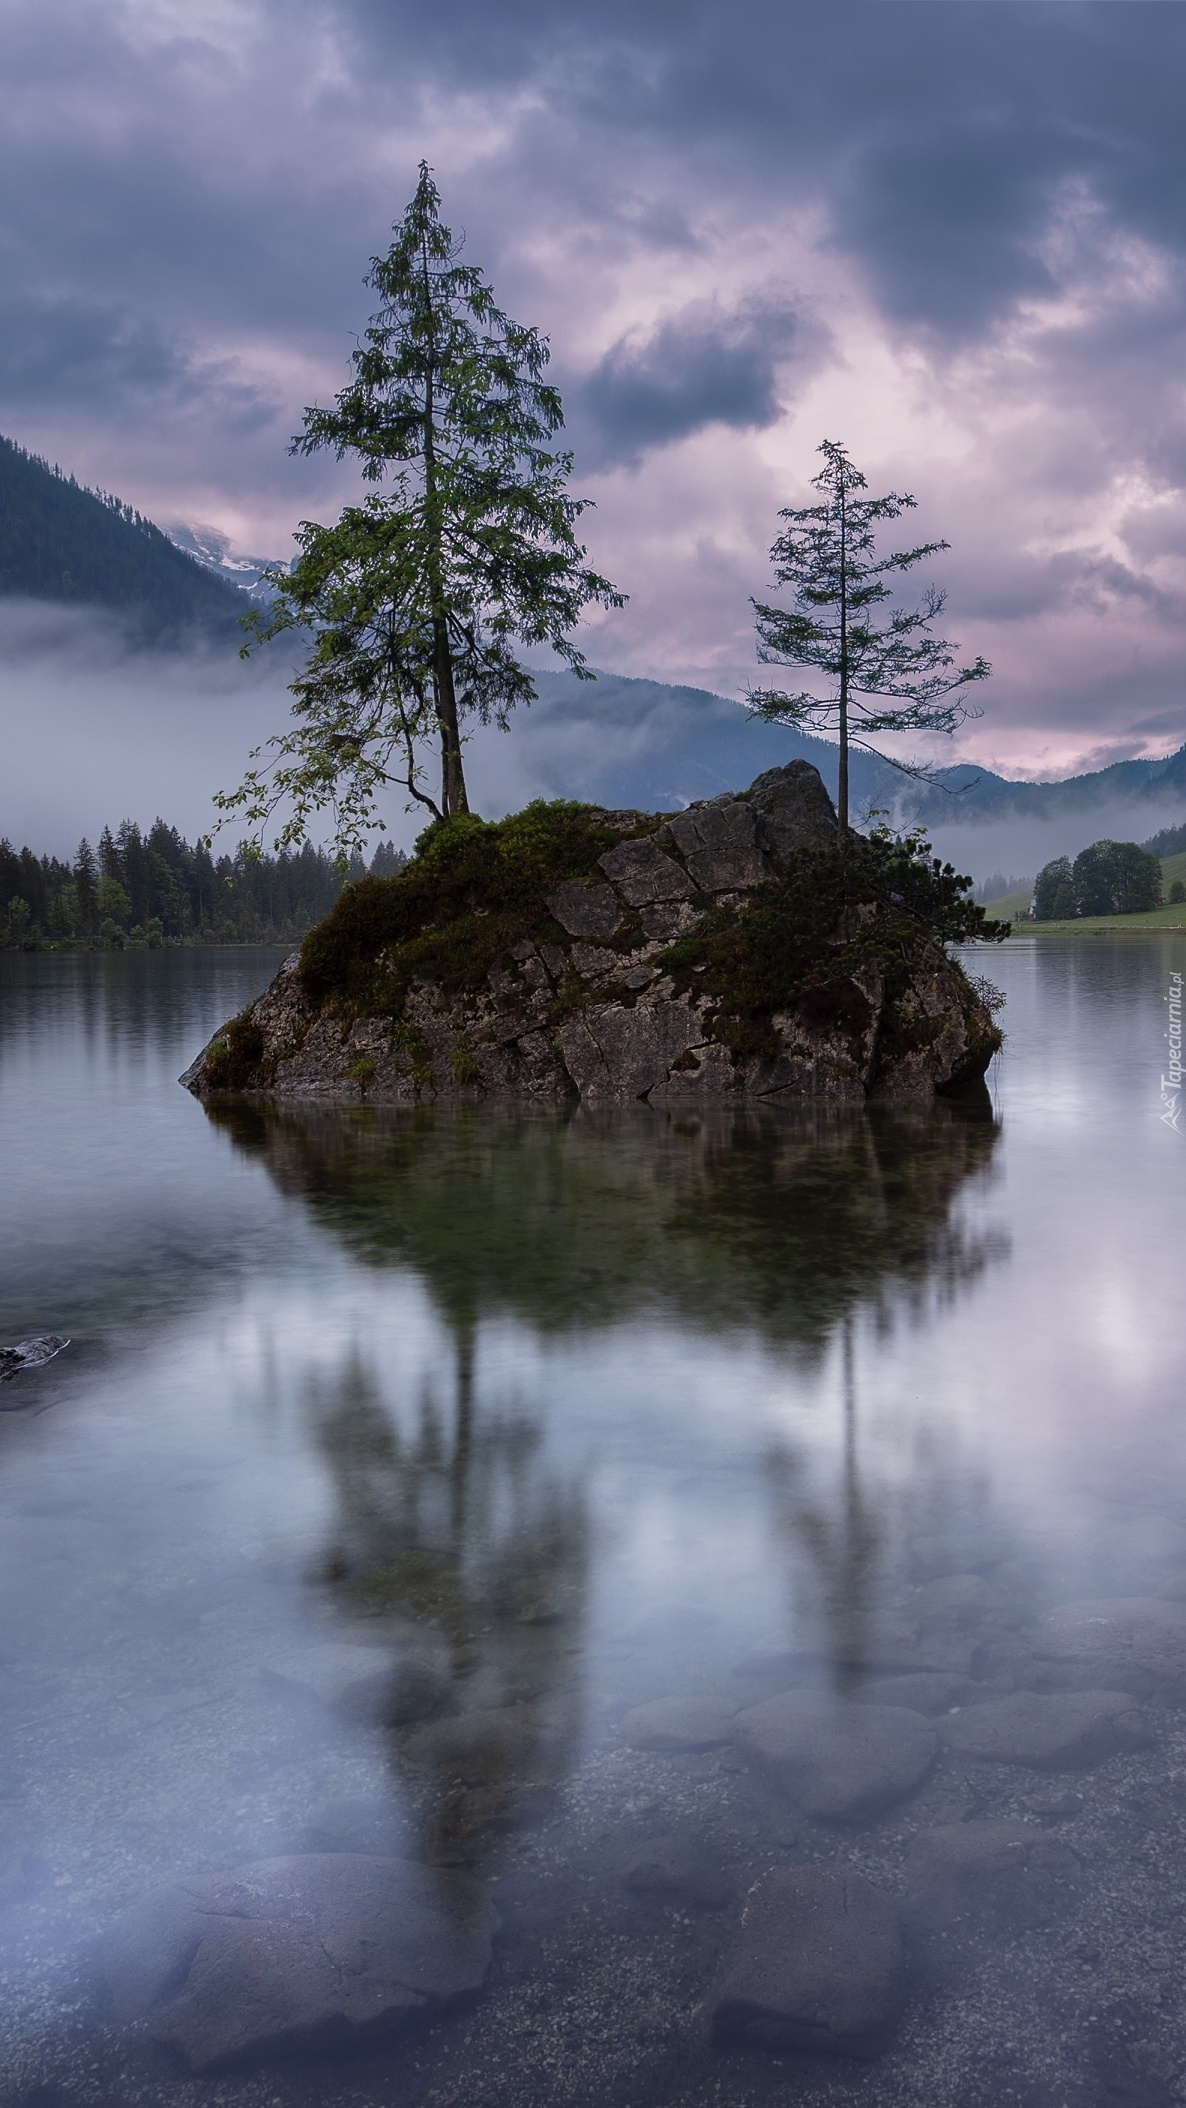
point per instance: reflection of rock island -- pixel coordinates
(727, 952)
(777, 1219)
(452, 1532)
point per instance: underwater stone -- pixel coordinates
(318, 1948)
(29, 1354)
(675, 1871)
(488, 1744)
(818, 1963)
(1063, 1731)
(841, 1762)
(368, 1827)
(673, 1724)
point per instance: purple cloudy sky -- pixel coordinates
(951, 235)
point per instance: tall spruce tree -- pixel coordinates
(421, 595)
(887, 672)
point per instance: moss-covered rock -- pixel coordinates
(730, 951)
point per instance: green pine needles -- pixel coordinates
(464, 552)
(887, 672)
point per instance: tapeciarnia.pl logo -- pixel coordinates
(1171, 1085)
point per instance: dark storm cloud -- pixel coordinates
(697, 368)
(940, 134)
(993, 196)
(60, 351)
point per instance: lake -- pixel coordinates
(526, 1536)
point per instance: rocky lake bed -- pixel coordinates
(741, 1881)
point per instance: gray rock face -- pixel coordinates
(1123, 1643)
(1065, 1731)
(721, 844)
(669, 919)
(840, 1762)
(318, 1948)
(615, 1055)
(674, 1724)
(796, 810)
(643, 873)
(1001, 1874)
(818, 1964)
(586, 909)
(601, 1016)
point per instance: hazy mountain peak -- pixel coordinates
(214, 550)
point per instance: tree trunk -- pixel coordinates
(453, 797)
(842, 781)
(842, 778)
(453, 793)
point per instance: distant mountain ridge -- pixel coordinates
(61, 542)
(652, 745)
(992, 797)
(646, 744)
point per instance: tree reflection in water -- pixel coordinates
(473, 1551)
(456, 1528)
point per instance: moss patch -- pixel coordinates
(236, 1060)
(473, 889)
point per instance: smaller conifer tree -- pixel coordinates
(887, 672)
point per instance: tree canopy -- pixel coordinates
(886, 671)
(1108, 878)
(463, 552)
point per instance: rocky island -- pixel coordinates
(726, 952)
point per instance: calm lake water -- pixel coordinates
(398, 1458)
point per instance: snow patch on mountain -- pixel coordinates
(215, 551)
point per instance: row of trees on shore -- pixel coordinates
(154, 888)
(1109, 878)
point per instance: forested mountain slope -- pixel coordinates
(61, 542)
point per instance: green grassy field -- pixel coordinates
(1165, 918)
